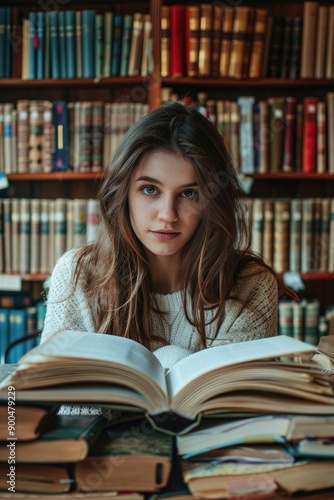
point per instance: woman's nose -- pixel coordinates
(168, 210)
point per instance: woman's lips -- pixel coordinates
(165, 236)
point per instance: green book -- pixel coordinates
(68, 438)
(130, 453)
(126, 44)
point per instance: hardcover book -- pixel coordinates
(119, 371)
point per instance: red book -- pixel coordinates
(177, 40)
(310, 135)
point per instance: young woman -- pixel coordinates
(172, 264)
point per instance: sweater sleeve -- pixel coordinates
(256, 316)
(66, 307)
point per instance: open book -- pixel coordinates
(81, 367)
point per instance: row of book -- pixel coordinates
(278, 134)
(246, 42)
(74, 44)
(120, 450)
(45, 136)
(294, 234)
(305, 320)
(35, 233)
(17, 323)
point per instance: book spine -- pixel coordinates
(268, 231)
(295, 48)
(88, 43)
(40, 56)
(7, 217)
(238, 42)
(44, 266)
(285, 318)
(321, 42)
(69, 224)
(165, 40)
(117, 45)
(93, 219)
(309, 37)
(295, 235)
(205, 41)
(286, 48)
(70, 43)
(25, 49)
(324, 233)
(147, 55)
(257, 51)
(126, 44)
(33, 45)
(16, 41)
(310, 135)
(54, 45)
(311, 322)
(136, 45)
(281, 235)
(257, 227)
(25, 231)
(321, 142)
(329, 70)
(86, 122)
(35, 136)
(276, 47)
(299, 137)
(264, 136)
(226, 40)
(59, 228)
(8, 137)
(15, 240)
(276, 120)
(289, 139)
(4, 328)
(60, 152)
(331, 238)
(47, 136)
(47, 49)
(78, 43)
(22, 135)
(108, 24)
(235, 133)
(306, 235)
(246, 104)
(99, 45)
(177, 40)
(298, 310)
(79, 222)
(97, 136)
(192, 35)
(2, 242)
(35, 232)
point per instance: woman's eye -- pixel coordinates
(149, 190)
(190, 194)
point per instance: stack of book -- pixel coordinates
(267, 394)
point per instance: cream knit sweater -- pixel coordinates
(258, 319)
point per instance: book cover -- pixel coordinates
(29, 420)
(143, 457)
(66, 439)
(36, 479)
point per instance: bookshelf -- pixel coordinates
(148, 89)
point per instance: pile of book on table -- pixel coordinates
(249, 420)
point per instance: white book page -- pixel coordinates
(100, 347)
(213, 358)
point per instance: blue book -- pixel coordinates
(62, 44)
(40, 46)
(98, 45)
(88, 43)
(60, 158)
(4, 328)
(126, 44)
(32, 46)
(70, 43)
(116, 48)
(54, 45)
(41, 313)
(17, 329)
(47, 45)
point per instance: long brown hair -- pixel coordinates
(114, 272)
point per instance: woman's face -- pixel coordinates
(164, 202)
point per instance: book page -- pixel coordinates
(71, 345)
(208, 360)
